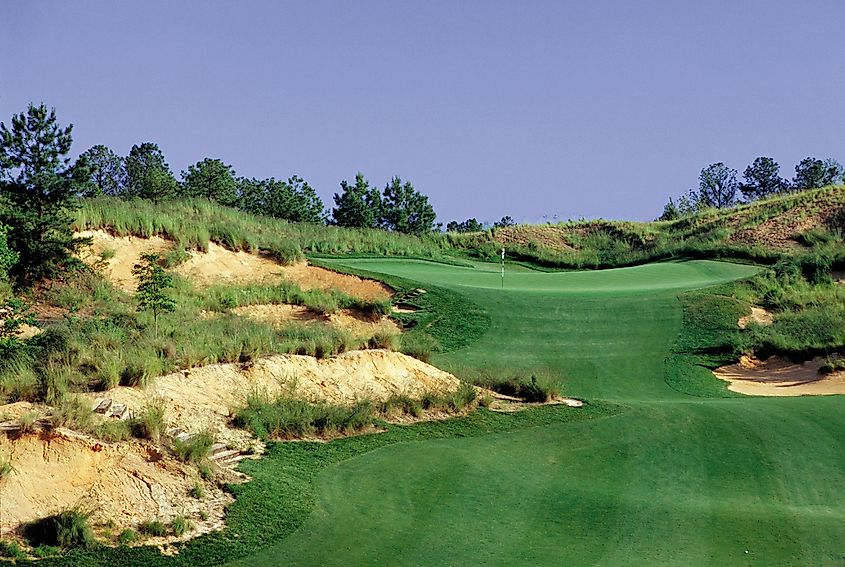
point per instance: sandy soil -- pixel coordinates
(56, 470)
(204, 398)
(345, 319)
(776, 376)
(758, 315)
(220, 265)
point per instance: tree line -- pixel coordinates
(719, 186)
(40, 187)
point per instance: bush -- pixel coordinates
(197, 491)
(149, 423)
(419, 345)
(12, 550)
(74, 413)
(114, 430)
(155, 528)
(180, 525)
(67, 529)
(194, 449)
(286, 417)
(5, 469)
(127, 536)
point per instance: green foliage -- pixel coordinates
(12, 550)
(717, 186)
(469, 225)
(358, 205)
(67, 529)
(197, 491)
(147, 174)
(179, 525)
(5, 469)
(38, 191)
(8, 257)
(149, 422)
(537, 386)
(762, 179)
(153, 281)
(192, 224)
(107, 172)
(812, 173)
(194, 449)
(286, 417)
(294, 200)
(155, 528)
(74, 413)
(114, 430)
(15, 312)
(127, 537)
(210, 179)
(405, 210)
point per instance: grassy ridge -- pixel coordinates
(193, 224)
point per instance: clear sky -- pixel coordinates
(593, 108)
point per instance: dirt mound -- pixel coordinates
(56, 470)
(776, 376)
(310, 277)
(203, 398)
(349, 320)
(780, 230)
(553, 237)
(758, 315)
(219, 265)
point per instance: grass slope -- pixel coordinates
(674, 479)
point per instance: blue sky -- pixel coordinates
(530, 109)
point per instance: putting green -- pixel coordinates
(671, 480)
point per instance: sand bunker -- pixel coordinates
(758, 315)
(349, 320)
(60, 469)
(776, 376)
(220, 265)
(204, 398)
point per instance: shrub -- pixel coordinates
(74, 413)
(5, 469)
(155, 528)
(195, 448)
(127, 536)
(418, 345)
(12, 550)
(197, 491)
(114, 430)
(179, 525)
(384, 339)
(149, 423)
(286, 417)
(67, 529)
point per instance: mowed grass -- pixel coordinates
(671, 480)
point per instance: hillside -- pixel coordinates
(765, 231)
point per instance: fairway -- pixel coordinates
(671, 479)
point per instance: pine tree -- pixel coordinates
(38, 189)
(358, 206)
(153, 281)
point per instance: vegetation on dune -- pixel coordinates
(193, 223)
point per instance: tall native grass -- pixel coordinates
(195, 223)
(111, 343)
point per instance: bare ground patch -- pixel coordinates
(220, 265)
(123, 483)
(758, 315)
(347, 319)
(776, 376)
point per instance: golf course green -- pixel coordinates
(670, 479)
